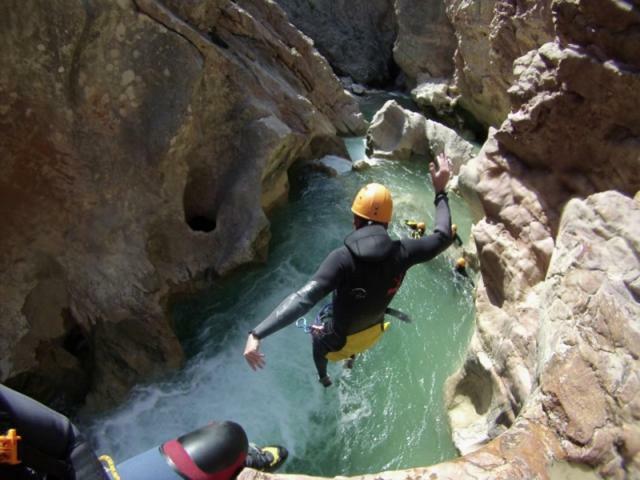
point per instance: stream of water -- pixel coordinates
(386, 413)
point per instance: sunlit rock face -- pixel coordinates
(141, 145)
(490, 36)
(559, 258)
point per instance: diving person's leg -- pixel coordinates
(349, 362)
(319, 358)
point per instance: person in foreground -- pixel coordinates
(364, 275)
(37, 443)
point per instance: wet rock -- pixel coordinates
(332, 165)
(361, 165)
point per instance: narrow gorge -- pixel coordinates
(146, 144)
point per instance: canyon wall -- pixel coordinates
(124, 179)
(385, 40)
(550, 385)
(141, 145)
(356, 36)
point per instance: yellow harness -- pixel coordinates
(359, 342)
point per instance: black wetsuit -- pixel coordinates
(363, 275)
(51, 447)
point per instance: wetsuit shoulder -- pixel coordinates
(327, 278)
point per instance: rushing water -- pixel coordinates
(386, 413)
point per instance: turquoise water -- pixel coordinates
(386, 413)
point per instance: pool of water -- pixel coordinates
(386, 413)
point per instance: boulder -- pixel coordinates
(332, 165)
(398, 133)
(433, 94)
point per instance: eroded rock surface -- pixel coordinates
(356, 36)
(491, 34)
(536, 325)
(426, 42)
(141, 144)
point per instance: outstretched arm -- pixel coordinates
(294, 306)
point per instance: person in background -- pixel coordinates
(417, 228)
(460, 268)
(456, 238)
(364, 275)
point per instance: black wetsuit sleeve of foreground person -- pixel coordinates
(51, 445)
(336, 267)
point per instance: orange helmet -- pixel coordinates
(373, 202)
(461, 262)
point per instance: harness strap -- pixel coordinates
(403, 317)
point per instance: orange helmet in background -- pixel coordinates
(374, 203)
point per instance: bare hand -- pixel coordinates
(440, 178)
(252, 354)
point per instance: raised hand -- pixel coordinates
(440, 178)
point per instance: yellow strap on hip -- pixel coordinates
(358, 342)
(109, 466)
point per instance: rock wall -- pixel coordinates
(491, 34)
(356, 36)
(550, 385)
(558, 272)
(426, 42)
(140, 144)
(384, 38)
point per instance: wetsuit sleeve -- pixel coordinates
(298, 303)
(427, 247)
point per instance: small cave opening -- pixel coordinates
(200, 202)
(201, 223)
(75, 340)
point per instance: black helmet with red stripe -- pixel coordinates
(214, 452)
